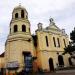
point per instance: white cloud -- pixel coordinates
(39, 11)
(0, 31)
(1, 48)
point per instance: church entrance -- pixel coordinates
(51, 64)
(27, 61)
(60, 60)
(70, 61)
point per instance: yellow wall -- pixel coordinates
(2, 62)
(45, 52)
(18, 42)
(42, 41)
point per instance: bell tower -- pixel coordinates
(19, 40)
(19, 22)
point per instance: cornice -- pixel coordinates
(17, 20)
(49, 51)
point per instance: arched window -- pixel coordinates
(22, 13)
(10, 30)
(16, 15)
(23, 28)
(46, 41)
(58, 42)
(54, 41)
(15, 28)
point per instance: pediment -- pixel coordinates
(53, 27)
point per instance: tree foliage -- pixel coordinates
(71, 47)
(72, 36)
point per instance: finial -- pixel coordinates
(40, 26)
(51, 21)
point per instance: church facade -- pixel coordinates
(47, 45)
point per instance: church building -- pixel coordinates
(45, 47)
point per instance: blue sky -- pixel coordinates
(63, 12)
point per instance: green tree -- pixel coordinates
(71, 47)
(72, 36)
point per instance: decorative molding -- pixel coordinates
(49, 51)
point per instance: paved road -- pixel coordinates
(61, 72)
(56, 74)
(65, 72)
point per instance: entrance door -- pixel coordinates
(60, 60)
(51, 64)
(70, 61)
(28, 61)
